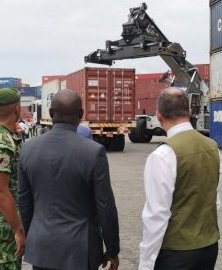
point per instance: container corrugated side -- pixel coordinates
(204, 71)
(148, 88)
(146, 106)
(99, 89)
(29, 91)
(97, 94)
(48, 91)
(216, 27)
(122, 95)
(216, 121)
(216, 76)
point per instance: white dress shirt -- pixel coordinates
(159, 180)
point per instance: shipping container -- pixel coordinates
(48, 78)
(204, 71)
(148, 89)
(216, 26)
(146, 106)
(31, 91)
(10, 82)
(48, 91)
(216, 121)
(27, 100)
(216, 76)
(39, 92)
(108, 94)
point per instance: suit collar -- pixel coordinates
(64, 126)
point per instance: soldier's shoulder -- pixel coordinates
(6, 140)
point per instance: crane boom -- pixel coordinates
(141, 38)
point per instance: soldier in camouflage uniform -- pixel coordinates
(12, 237)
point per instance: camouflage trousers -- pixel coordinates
(17, 265)
(7, 258)
(7, 248)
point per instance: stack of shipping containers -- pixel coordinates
(216, 71)
(28, 95)
(148, 88)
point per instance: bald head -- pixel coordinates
(66, 107)
(173, 103)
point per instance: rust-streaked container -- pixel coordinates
(48, 78)
(108, 94)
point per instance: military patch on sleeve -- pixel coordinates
(4, 161)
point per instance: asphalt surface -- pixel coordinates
(126, 170)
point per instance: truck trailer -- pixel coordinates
(108, 98)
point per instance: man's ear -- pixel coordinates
(51, 112)
(81, 112)
(18, 111)
(159, 117)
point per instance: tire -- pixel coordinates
(142, 134)
(132, 136)
(117, 143)
(103, 140)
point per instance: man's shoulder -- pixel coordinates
(162, 150)
(34, 141)
(91, 144)
(6, 140)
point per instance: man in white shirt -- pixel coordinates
(180, 230)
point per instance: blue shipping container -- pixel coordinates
(9, 82)
(29, 91)
(216, 121)
(216, 26)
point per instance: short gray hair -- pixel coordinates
(173, 103)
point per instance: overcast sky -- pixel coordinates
(47, 37)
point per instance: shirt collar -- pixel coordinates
(179, 128)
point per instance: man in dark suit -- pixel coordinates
(65, 196)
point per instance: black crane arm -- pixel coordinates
(141, 38)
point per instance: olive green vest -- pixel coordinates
(193, 223)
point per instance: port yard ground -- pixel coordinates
(126, 171)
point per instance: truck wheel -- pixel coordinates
(117, 143)
(143, 135)
(105, 141)
(132, 136)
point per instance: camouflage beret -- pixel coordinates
(8, 96)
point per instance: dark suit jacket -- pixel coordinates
(66, 201)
